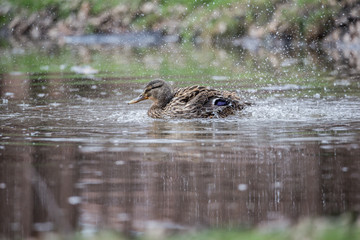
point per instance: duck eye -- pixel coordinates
(147, 92)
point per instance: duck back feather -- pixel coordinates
(199, 102)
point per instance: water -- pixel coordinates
(75, 156)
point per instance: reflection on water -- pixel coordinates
(75, 156)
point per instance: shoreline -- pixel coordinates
(333, 26)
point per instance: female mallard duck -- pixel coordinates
(188, 102)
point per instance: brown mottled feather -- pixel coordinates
(197, 102)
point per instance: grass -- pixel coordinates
(66, 6)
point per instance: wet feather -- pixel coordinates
(190, 102)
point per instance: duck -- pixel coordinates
(189, 102)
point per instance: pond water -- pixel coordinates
(75, 156)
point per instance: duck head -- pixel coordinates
(157, 91)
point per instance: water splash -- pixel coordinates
(132, 116)
(310, 110)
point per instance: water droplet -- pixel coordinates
(74, 200)
(119, 162)
(242, 187)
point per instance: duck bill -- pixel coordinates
(138, 99)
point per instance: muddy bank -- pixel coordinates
(335, 25)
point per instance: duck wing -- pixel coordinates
(222, 103)
(203, 102)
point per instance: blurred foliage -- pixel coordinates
(301, 19)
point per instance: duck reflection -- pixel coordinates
(196, 174)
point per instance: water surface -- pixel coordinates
(75, 156)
